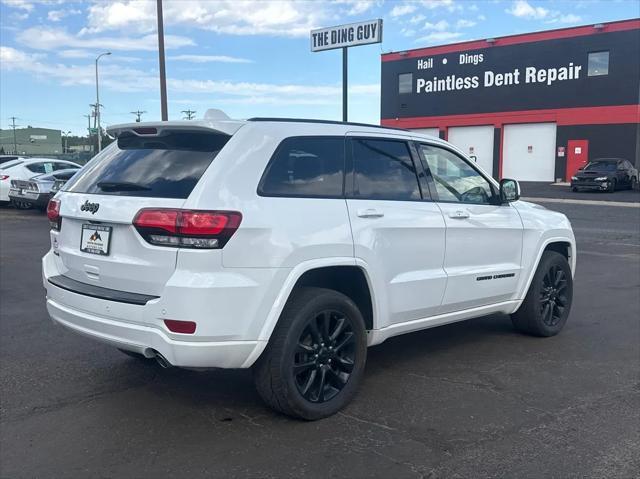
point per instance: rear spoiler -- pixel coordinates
(162, 128)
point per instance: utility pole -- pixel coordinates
(98, 101)
(163, 72)
(189, 114)
(15, 143)
(138, 114)
(88, 117)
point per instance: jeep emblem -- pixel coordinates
(91, 207)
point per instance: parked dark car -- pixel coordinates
(606, 174)
(36, 192)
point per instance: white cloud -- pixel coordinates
(209, 59)
(473, 8)
(462, 23)
(43, 38)
(57, 15)
(417, 18)
(407, 32)
(234, 17)
(122, 79)
(481, 18)
(440, 26)
(356, 7)
(439, 37)
(400, 10)
(566, 19)
(21, 4)
(75, 53)
(522, 9)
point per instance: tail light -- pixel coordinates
(187, 228)
(4, 177)
(53, 213)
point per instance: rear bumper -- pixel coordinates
(147, 340)
(39, 200)
(223, 338)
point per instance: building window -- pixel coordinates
(405, 82)
(598, 64)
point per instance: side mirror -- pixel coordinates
(509, 190)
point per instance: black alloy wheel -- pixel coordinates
(316, 355)
(325, 356)
(553, 296)
(547, 304)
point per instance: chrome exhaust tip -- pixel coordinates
(162, 361)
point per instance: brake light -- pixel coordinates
(53, 214)
(4, 177)
(187, 228)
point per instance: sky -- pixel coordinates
(245, 57)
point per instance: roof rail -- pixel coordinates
(328, 122)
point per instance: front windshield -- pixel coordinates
(601, 166)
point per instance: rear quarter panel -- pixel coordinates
(275, 232)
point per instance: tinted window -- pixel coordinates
(405, 83)
(384, 170)
(598, 64)
(601, 166)
(455, 180)
(306, 166)
(167, 166)
(41, 167)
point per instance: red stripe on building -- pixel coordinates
(514, 40)
(597, 115)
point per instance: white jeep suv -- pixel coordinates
(289, 246)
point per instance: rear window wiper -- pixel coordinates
(121, 186)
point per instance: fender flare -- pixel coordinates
(285, 291)
(541, 249)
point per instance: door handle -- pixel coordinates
(370, 213)
(459, 215)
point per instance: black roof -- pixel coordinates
(328, 122)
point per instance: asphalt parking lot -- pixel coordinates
(473, 399)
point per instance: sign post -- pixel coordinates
(345, 36)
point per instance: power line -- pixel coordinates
(189, 114)
(138, 114)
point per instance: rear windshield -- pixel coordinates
(167, 166)
(9, 164)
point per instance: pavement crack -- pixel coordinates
(372, 423)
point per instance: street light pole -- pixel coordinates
(163, 73)
(98, 102)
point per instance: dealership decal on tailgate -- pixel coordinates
(95, 239)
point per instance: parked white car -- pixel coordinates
(27, 168)
(289, 246)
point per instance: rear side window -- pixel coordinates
(306, 167)
(167, 166)
(384, 170)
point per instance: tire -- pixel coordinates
(544, 311)
(612, 186)
(131, 354)
(328, 376)
(21, 205)
(574, 189)
(633, 184)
